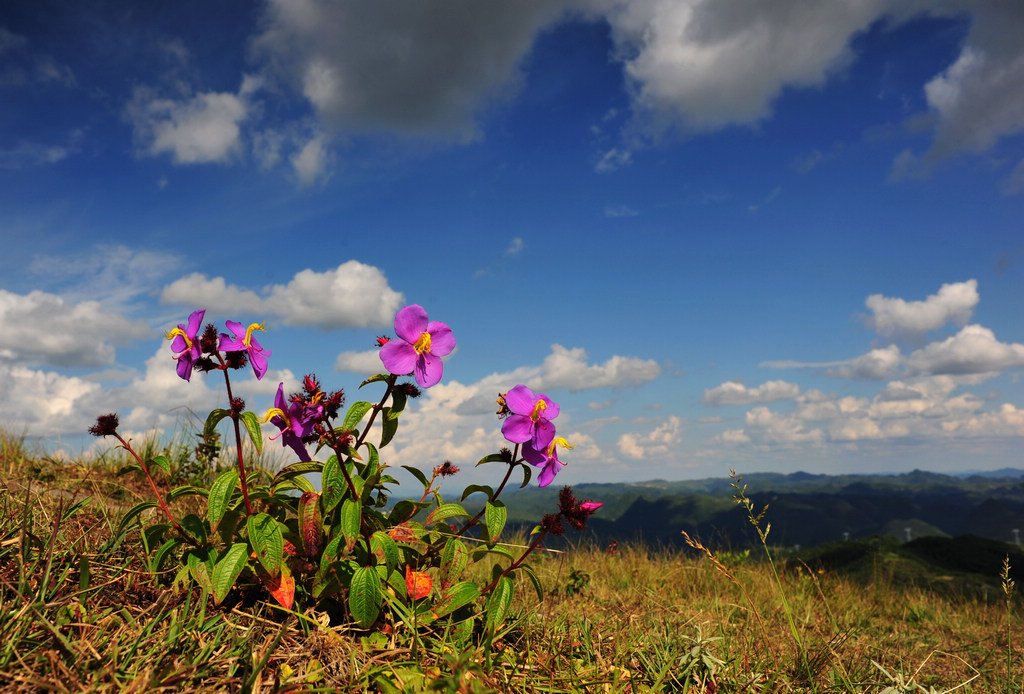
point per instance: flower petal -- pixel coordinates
(543, 435)
(533, 456)
(195, 321)
(517, 428)
(442, 341)
(411, 322)
(552, 409)
(428, 370)
(184, 367)
(259, 362)
(520, 400)
(398, 357)
(547, 475)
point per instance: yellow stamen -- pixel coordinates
(274, 412)
(178, 331)
(423, 343)
(539, 407)
(559, 441)
(247, 341)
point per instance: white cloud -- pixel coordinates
(973, 350)
(353, 295)
(655, 443)
(41, 328)
(311, 163)
(875, 365)
(365, 363)
(703, 65)
(515, 247)
(568, 368)
(733, 393)
(613, 159)
(418, 69)
(201, 129)
(912, 320)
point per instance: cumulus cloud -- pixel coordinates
(199, 129)
(703, 65)
(568, 368)
(365, 363)
(912, 320)
(41, 328)
(734, 393)
(353, 295)
(655, 443)
(973, 350)
(876, 365)
(980, 97)
(419, 69)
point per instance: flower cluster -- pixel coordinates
(528, 418)
(239, 347)
(303, 417)
(573, 512)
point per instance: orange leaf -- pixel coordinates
(417, 583)
(282, 587)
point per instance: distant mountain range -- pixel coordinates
(803, 509)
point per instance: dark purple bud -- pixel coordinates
(106, 425)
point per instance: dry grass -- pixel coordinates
(80, 612)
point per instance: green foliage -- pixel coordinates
(419, 568)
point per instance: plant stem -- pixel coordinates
(238, 441)
(152, 483)
(472, 521)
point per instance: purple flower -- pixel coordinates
(245, 342)
(547, 459)
(591, 506)
(420, 346)
(185, 345)
(531, 417)
(293, 420)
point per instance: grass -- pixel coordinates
(79, 612)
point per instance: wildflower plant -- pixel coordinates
(346, 549)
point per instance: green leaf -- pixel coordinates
(532, 575)
(162, 462)
(398, 401)
(492, 458)
(220, 495)
(226, 570)
(527, 473)
(482, 552)
(164, 549)
(404, 510)
(333, 484)
(385, 549)
(445, 511)
(495, 515)
(297, 470)
(131, 467)
(456, 596)
(195, 527)
(133, 513)
(473, 488)
(375, 379)
(365, 596)
(267, 542)
(252, 425)
(187, 490)
(355, 414)
(454, 558)
(499, 602)
(418, 474)
(351, 517)
(213, 420)
(388, 427)
(199, 569)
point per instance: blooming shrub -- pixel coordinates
(345, 549)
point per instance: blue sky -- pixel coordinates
(783, 238)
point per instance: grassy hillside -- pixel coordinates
(79, 613)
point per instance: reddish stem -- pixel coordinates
(159, 497)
